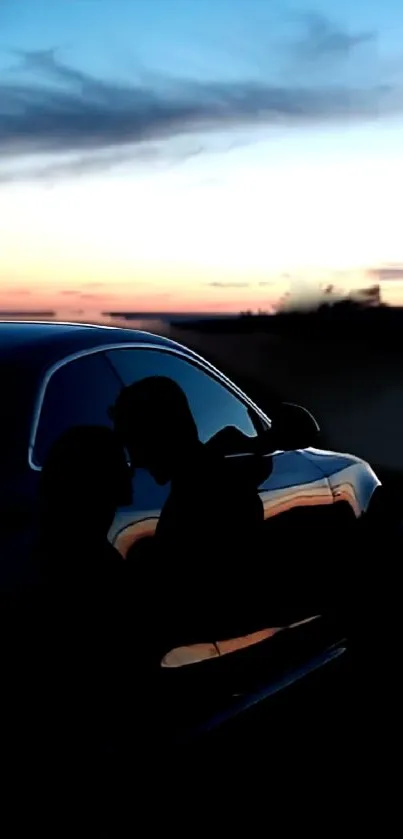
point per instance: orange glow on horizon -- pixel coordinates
(91, 300)
(94, 297)
(176, 242)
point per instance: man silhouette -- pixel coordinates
(209, 523)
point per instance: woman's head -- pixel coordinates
(84, 479)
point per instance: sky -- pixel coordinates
(198, 155)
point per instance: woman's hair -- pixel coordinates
(86, 465)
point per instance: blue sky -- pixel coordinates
(222, 38)
(198, 153)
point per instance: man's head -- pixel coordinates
(153, 419)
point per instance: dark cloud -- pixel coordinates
(92, 160)
(323, 38)
(388, 272)
(370, 296)
(19, 291)
(68, 292)
(57, 109)
(26, 313)
(331, 297)
(265, 283)
(228, 285)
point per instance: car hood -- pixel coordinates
(329, 463)
(349, 477)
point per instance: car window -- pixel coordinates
(18, 393)
(214, 406)
(79, 393)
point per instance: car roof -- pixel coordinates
(50, 340)
(31, 347)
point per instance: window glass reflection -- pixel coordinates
(213, 406)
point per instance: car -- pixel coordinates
(56, 376)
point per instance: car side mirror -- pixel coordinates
(293, 427)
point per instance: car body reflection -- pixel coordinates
(196, 653)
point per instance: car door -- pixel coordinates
(79, 391)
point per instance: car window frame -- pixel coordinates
(191, 358)
(41, 392)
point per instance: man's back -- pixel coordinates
(207, 534)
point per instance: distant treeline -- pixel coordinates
(378, 325)
(26, 314)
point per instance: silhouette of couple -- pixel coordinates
(100, 625)
(205, 531)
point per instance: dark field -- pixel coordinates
(345, 367)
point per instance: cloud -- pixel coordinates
(388, 273)
(323, 38)
(239, 284)
(228, 285)
(17, 291)
(55, 109)
(81, 292)
(67, 163)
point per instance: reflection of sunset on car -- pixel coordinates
(132, 533)
(183, 656)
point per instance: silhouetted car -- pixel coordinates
(56, 376)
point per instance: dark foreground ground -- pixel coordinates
(286, 766)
